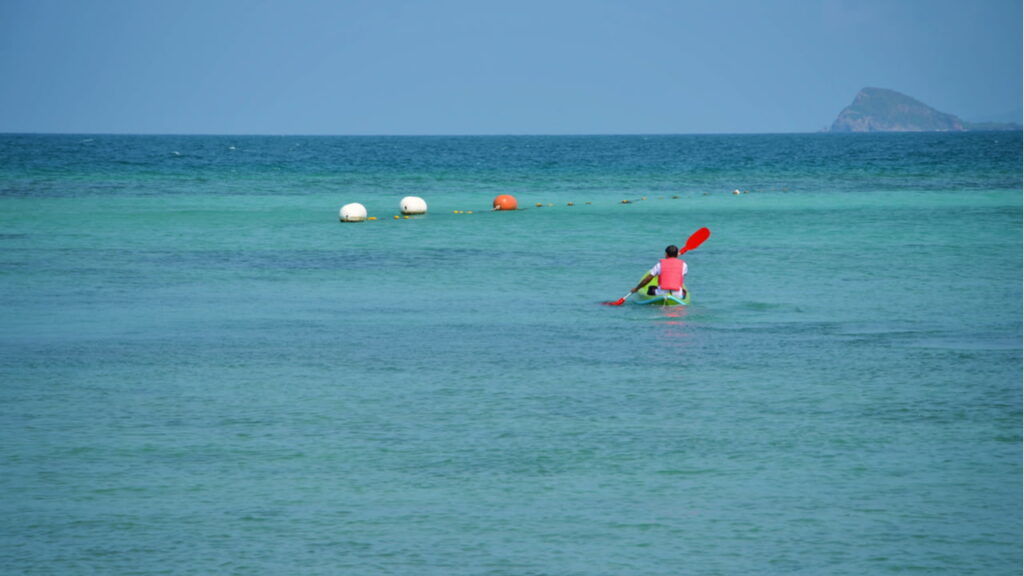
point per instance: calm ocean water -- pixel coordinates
(203, 372)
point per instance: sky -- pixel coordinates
(467, 67)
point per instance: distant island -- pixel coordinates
(882, 110)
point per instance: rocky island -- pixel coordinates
(883, 110)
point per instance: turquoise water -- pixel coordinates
(204, 372)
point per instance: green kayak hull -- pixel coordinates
(645, 299)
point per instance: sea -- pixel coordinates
(204, 371)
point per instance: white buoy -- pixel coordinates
(413, 205)
(354, 212)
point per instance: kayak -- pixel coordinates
(646, 296)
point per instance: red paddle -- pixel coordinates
(695, 240)
(618, 302)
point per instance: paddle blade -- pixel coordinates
(618, 302)
(696, 239)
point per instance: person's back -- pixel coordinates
(671, 274)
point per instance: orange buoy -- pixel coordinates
(505, 202)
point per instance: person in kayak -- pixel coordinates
(671, 274)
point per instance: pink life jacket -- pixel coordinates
(671, 277)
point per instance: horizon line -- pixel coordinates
(389, 134)
(487, 135)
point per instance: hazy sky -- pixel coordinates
(494, 67)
